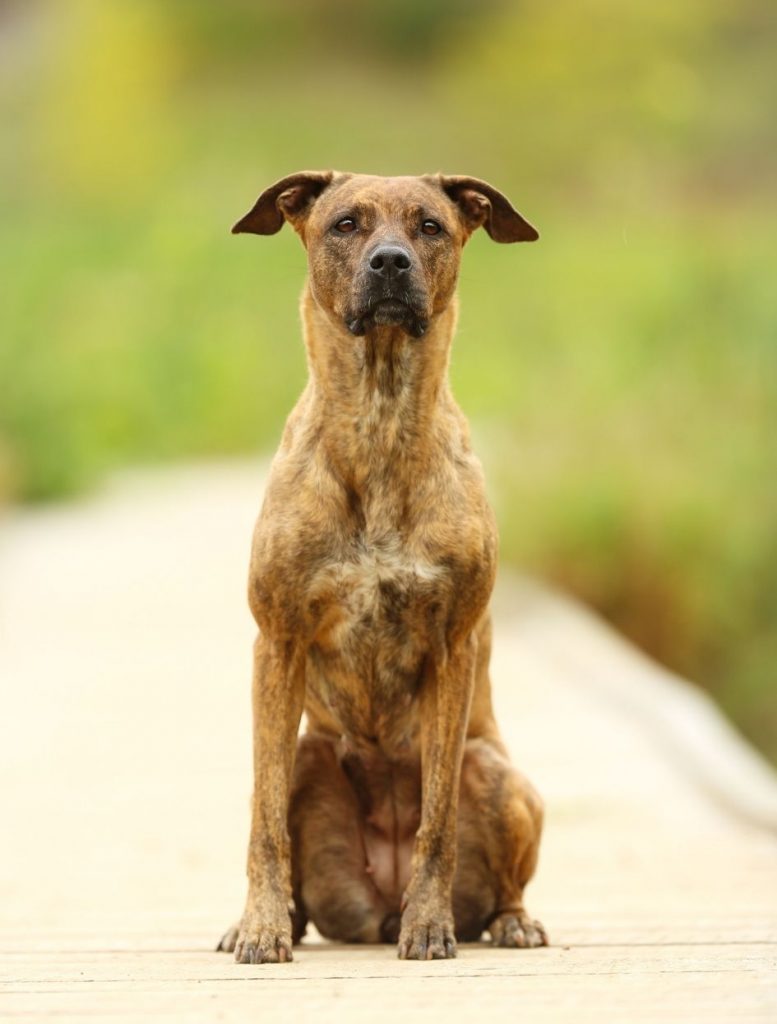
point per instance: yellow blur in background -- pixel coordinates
(621, 374)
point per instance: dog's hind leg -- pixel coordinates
(332, 883)
(499, 828)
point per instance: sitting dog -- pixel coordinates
(397, 816)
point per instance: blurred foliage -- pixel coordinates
(621, 374)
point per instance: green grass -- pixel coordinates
(621, 374)
(622, 377)
(631, 420)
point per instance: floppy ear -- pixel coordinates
(289, 199)
(480, 203)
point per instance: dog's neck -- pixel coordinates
(376, 399)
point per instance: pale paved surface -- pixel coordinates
(125, 779)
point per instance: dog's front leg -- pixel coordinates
(278, 695)
(427, 920)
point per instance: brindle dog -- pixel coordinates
(397, 816)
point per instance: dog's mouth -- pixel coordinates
(388, 311)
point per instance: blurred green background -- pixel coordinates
(621, 375)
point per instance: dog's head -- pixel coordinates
(384, 250)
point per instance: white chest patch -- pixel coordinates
(372, 597)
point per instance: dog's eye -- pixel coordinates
(346, 225)
(431, 227)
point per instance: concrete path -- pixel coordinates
(125, 779)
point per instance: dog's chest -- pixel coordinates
(375, 613)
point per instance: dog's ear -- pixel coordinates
(288, 199)
(480, 203)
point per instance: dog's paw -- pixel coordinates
(228, 940)
(514, 929)
(263, 945)
(421, 939)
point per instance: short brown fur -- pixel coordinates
(397, 815)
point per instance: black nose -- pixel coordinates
(389, 261)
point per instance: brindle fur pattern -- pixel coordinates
(397, 816)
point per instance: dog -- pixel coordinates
(396, 816)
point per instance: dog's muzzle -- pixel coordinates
(388, 294)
